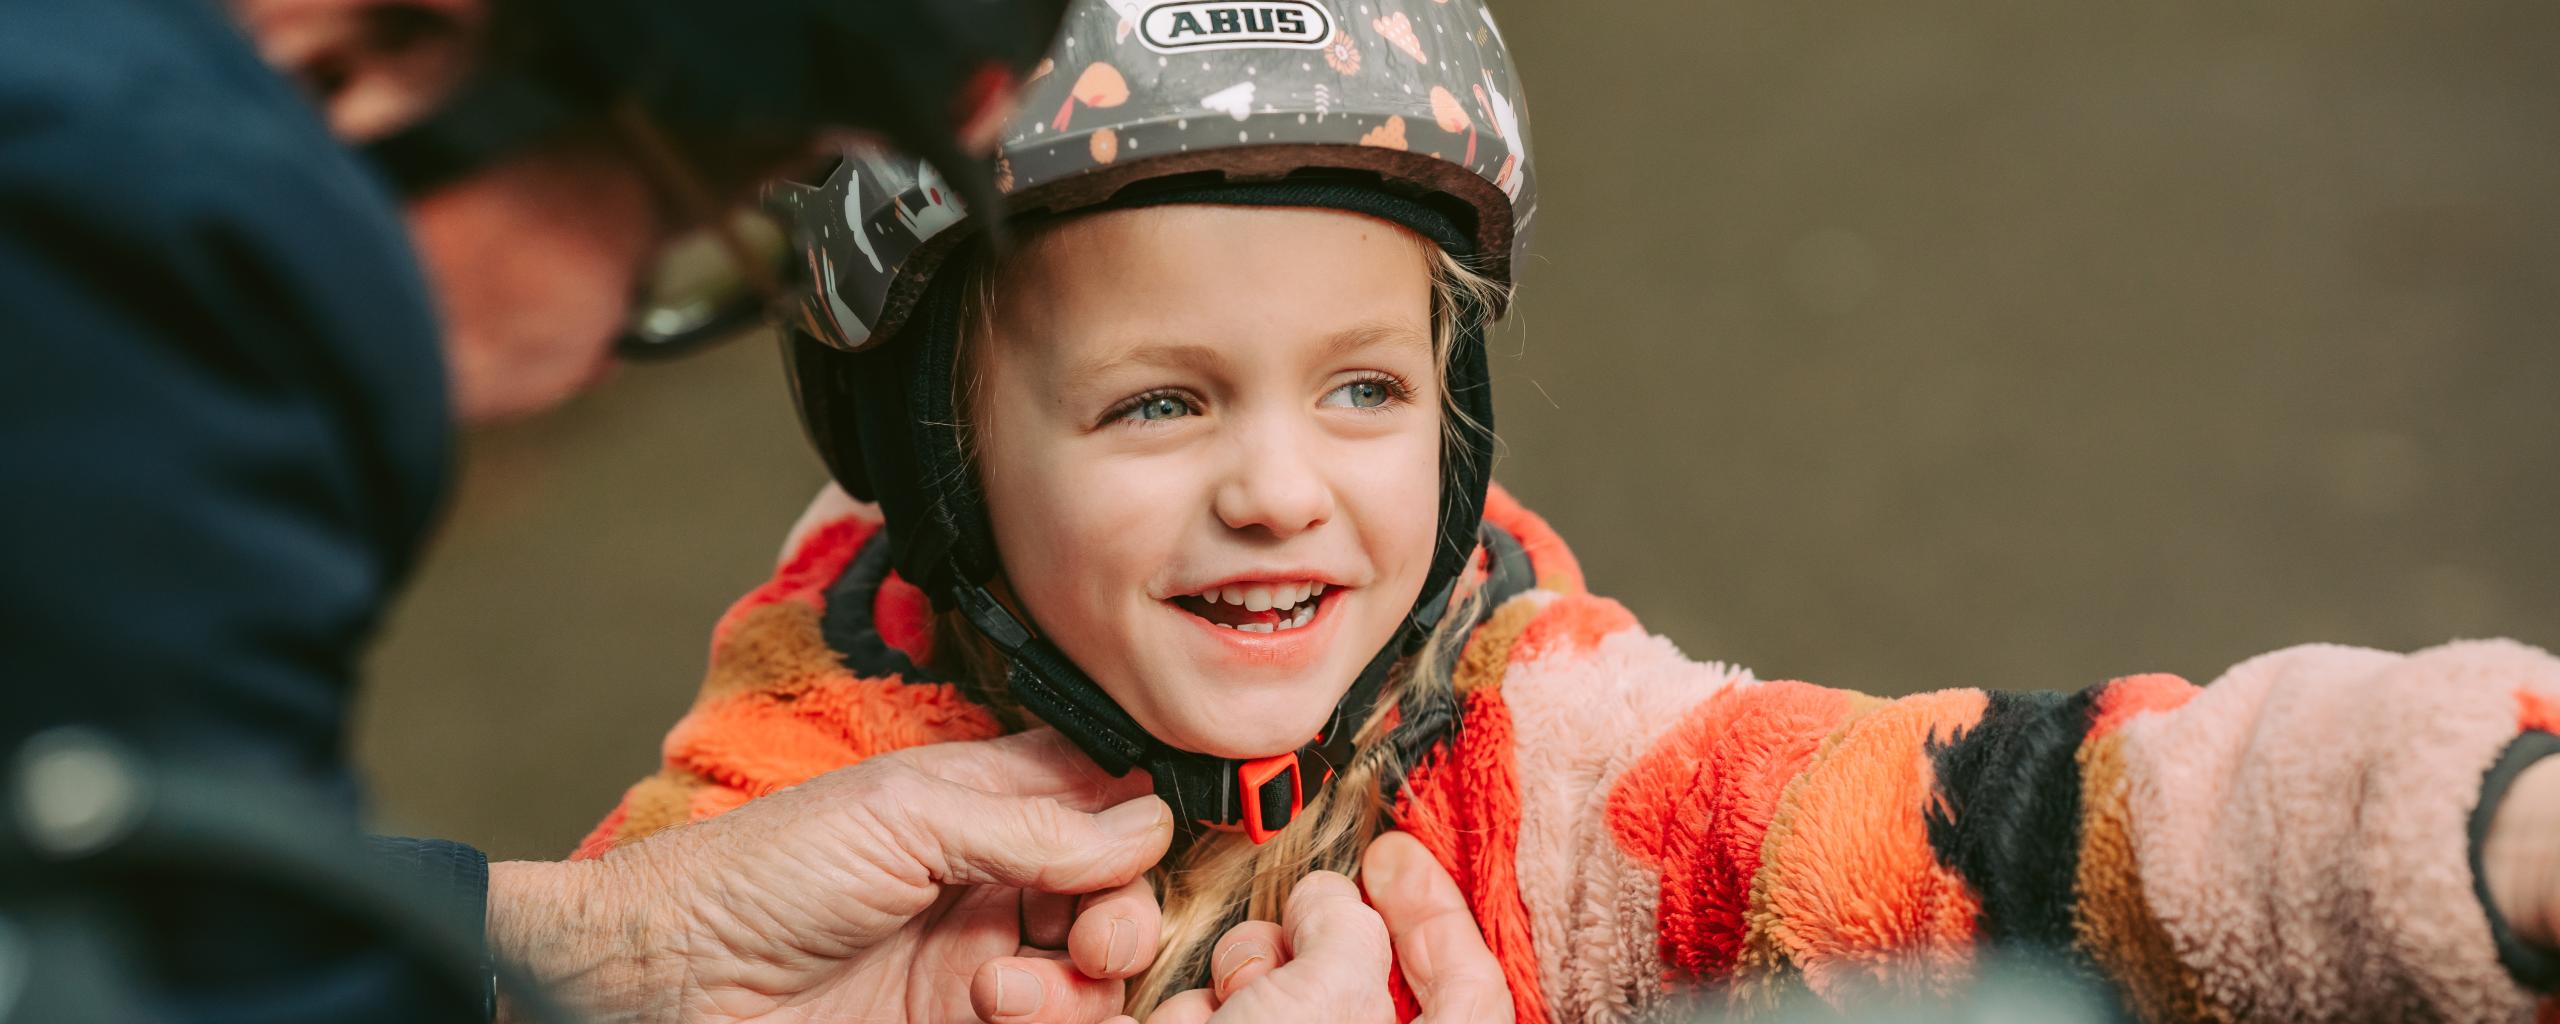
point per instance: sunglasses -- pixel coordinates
(734, 268)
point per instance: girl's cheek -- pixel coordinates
(1108, 526)
(1398, 489)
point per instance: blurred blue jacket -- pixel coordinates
(223, 438)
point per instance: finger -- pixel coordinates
(1334, 954)
(962, 836)
(1246, 952)
(1021, 989)
(1324, 914)
(1191, 1007)
(1045, 918)
(1116, 932)
(1445, 960)
(1036, 763)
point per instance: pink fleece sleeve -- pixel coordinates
(2291, 843)
(2301, 830)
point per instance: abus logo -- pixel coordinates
(1186, 25)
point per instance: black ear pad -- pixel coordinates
(1466, 472)
(955, 507)
(825, 390)
(884, 422)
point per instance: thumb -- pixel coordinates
(967, 836)
(1446, 962)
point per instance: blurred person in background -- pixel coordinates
(226, 432)
(1199, 474)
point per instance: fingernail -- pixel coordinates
(1017, 992)
(1135, 818)
(1243, 954)
(1124, 936)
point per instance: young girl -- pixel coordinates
(1197, 472)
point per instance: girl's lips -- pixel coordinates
(1285, 649)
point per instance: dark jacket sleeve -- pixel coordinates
(451, 877)
(222, 422)
(222, 437)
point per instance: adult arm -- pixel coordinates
(856, 892)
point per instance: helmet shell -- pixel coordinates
(1420, 93)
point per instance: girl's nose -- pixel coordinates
(1277, 484)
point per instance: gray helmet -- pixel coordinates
(1420, 93)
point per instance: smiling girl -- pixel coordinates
(1198, 473)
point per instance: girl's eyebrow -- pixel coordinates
(1381, 331)
(1200, 358)
(1163, 355)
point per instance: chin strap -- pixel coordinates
(1260, 795)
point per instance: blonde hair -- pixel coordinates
(1223, 878)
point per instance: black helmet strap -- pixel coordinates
(914, 463)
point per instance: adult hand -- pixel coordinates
(1000, 881)
(1328, 958)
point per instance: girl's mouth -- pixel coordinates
(1258, 608)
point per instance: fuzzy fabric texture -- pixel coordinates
(1764, 969)
(1553, 563)
(2300, 830)
(2111, 915)
(1577, 726)
(1697, 805)
(1571, 626)
(2288, 844)
(1464, 805)
(778, 706)
(1485, 659)
(2009, 820)
(1855, 897)
(2112, 924)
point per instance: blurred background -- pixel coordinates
(1888, 346)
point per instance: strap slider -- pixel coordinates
(1270, 800)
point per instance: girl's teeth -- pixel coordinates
(1287, 597)
(1296, 617)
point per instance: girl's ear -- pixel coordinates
(372, 66)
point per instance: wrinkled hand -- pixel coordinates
(1328, 958)
(956, 882)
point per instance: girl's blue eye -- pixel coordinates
(1161, 407)
(1362, 394)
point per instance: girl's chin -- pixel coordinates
(1244, 731)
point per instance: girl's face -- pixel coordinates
(1210, 443)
